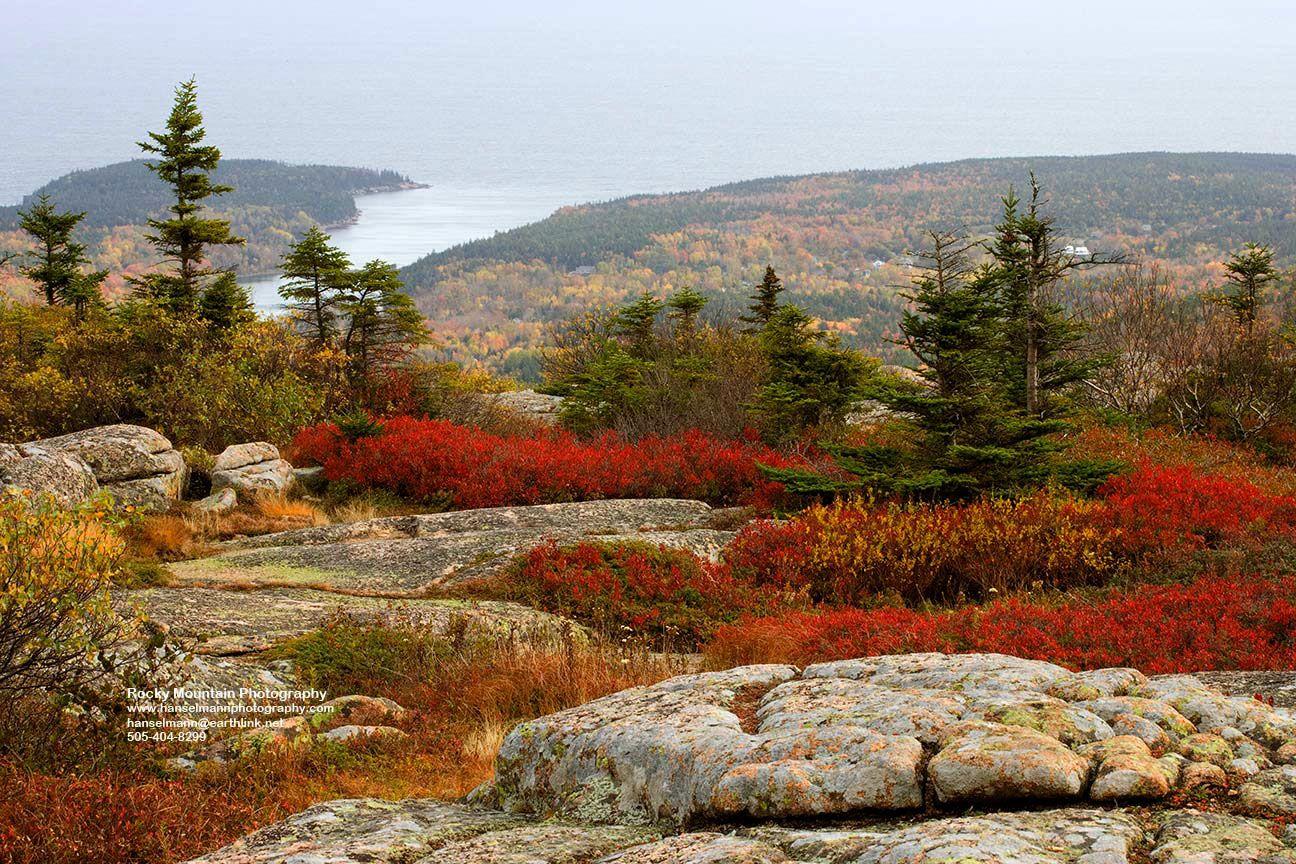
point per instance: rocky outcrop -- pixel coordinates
(66, 478)
(251, 469)
(530, 404)
(352, 831)
(137, 465)
(870, 735)
(407, 554)
(216, 622)
(724, 768)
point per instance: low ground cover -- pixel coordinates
(464, 467)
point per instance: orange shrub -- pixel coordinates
(850, 553)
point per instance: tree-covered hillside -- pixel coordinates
(271, 203)
(839, 240)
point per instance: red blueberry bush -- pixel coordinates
(465, 467)
(1212, 623)
(635, 589)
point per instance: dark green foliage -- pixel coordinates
(382, 326)
(997, 354)
(127, 193)
(812, 381)
(225, 303)
(58, 260)
(185, 164)
(635, 323)
(765, 300)
(357, 424)
(1040, 337)
(1246, 275)
(685, 305)
(315, 275)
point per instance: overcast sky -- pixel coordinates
(664, 93)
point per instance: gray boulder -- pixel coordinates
(64, 476)
(218, 502)
(529, 403)
(137, 465)
(250, 469)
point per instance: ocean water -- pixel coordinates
(510, 109)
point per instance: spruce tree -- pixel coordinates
(58, 260)
(685, 306)
(1026, 270)
(764, 301)
(185, 164)
(315, 273)
(1246, 275)
(635, 324)
(812, 381)
(382, 325)
(225, 303)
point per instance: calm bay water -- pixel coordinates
(401, 227)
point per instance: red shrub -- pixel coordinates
(1240, 623)
(1160, 507)
(435, 459)
(651, 590)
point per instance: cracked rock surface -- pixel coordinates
(886, 733)
(405, 554)
(873, 761)
(227, 623)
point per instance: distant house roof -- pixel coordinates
(583, 270)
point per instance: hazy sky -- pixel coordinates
(611, 97)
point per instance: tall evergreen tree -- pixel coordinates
(315, 274)
(1246, 276)
(58, 260)
(765, 301)
(1026, 270)
(382, 325)
(972, 433)
(186, 164)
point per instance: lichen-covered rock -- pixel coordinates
(1213, 712)
(408, 554)
(243, 622)
(63, 476)
(1202, 775)
(1070, 724)
(352, 731)
(1078, 836)
(218, 502)
(1174, 724)
(137, 465)
(368, 831)
(1097, 683)
(251, 469)
(1201, 747)
(1147, 731)
(989, 762)
(812, 702)
(700, 848)
(541, 407)
(1126, 770)
(958, 673)
(1270, 793)
(1195, 837)
(845, 737)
